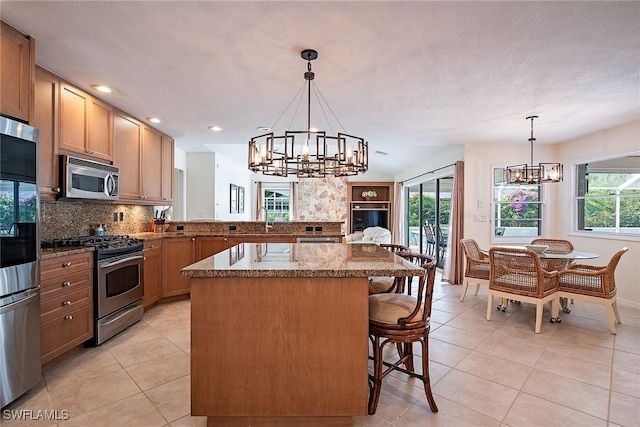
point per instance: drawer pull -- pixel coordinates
(66, 264)
(67, 303)
(68, 317)
(66, 284)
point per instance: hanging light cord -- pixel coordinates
(532, 139)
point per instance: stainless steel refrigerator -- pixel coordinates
(20, 367)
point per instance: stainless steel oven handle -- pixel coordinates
(122, 261)
(111, 184)
(18, 304)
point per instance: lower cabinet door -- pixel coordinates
(66, 331)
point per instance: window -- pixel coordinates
(277, 202)
(517, 209)
(608, 196)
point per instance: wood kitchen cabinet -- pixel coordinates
(128, 143)
(177, 253)
(210, 245)
(370, 204)
(167, 168)
(45, 118)
(17, 73)
(152, 272)
(260, 239)
(86, 124)
(66, 303)
(145, 158)
(151, 164)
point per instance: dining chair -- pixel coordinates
(596, 284)
(517, 274)
(477, 266)
(381, 284)
(403, 320)
(430, 239)
(556, 246)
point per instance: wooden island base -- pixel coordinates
(274, 351)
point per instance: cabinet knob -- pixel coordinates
(193, 239)
(67, 303)
(68, 317)
(141, 196)
(66, 284)
(66, 265)
(56, 189)
(90, 152)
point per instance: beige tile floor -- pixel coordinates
(496, 373)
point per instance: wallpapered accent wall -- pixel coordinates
(322, 199)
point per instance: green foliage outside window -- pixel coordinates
(428, 210)
(518, 207)
(27, 209)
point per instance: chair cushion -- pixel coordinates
(378, 285)
(388, 308)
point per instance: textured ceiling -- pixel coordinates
(410, 77)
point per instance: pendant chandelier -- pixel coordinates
(533, 174)
(308, 153)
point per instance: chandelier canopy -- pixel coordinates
(308, 153)
(533, 174)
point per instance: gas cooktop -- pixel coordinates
(98, 242)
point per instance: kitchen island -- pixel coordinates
(279, 332)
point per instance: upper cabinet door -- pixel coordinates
(86, 124)
(45, 118)
(167, 168)
(100, 142)
(151, 167)
(17, 73)
(74, 119)
(128, 141)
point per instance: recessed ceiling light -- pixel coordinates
(215, 128)
(154, 119)
(264, 128)
(102, 88)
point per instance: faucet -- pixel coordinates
(267, 226)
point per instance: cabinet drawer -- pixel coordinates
(64, 303)
(65, 265)
(64, 332)
(54, 286)
(152, 245)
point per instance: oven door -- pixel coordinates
(119, 282)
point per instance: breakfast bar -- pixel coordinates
(279, 332)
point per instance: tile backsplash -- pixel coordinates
(60, 220)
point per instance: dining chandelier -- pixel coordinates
(531, 173)
(308, 153)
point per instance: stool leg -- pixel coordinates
(374, 393)
(425, 374)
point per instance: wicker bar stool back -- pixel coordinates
(477, 266)
(594, 284)
(402, 319)
(383, 284)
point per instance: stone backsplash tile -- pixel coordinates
(59, 220)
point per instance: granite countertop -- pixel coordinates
(175, 234)
(49, 253)
(302, 260)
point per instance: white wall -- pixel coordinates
(228, 173)
(200, 181)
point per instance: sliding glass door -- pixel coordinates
(428, 207)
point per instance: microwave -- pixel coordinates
(86, 179)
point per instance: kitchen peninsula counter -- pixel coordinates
(279, 332)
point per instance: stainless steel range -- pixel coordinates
(118, 281)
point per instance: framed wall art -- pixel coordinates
(233, 198)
